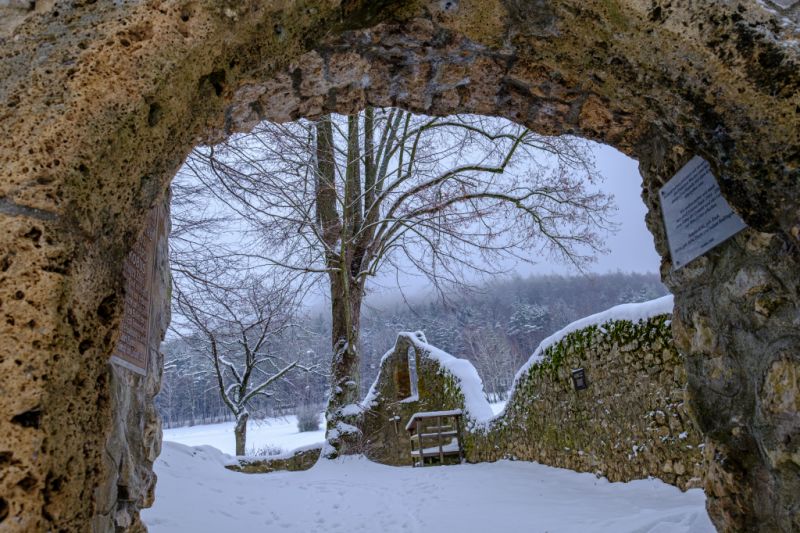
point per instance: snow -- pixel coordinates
(497, 407)
(343, 429)
(231, 460)
(372, 394)
(425, 414)
(451, 446)
(411, 399)
(196, 494)
(350, 409)
(475, 402)
(280, 433)
(631, 312)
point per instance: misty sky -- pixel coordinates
(631, 248)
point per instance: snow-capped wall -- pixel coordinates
(632, 312)
(630, 422)
(443, 382)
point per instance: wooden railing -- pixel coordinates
(435, 437)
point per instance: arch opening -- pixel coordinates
(103, 119)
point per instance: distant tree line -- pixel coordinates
(499, 325)
(496, 326)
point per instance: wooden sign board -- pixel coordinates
(132, 350)
(696, 215)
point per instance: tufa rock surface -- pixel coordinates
(101, 101)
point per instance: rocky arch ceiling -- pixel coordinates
(718, 79)
(103, 101)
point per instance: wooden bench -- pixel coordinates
(435, 435)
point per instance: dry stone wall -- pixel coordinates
(298, 460)
(390, 403)
(630, 422)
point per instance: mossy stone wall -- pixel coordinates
(629, 423)
(384, 437)
(300, 460)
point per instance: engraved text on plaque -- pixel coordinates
(134, 338)
(696, 215)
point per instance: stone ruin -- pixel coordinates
(100, 102)
(630, 422)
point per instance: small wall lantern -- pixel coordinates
(579, 379)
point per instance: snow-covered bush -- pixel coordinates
(266, 450)
(308, 418)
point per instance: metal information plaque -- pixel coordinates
(696, 215)
(131, 351)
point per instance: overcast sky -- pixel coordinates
(631, 249)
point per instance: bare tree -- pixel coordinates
(237, 318)
(346, 197)
(488, 349)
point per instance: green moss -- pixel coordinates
(615, 15)
(619, 332)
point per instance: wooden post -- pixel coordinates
(439, 438)
(458, 439)
(419, 442)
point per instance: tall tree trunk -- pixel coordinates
(346, 299)
(344, 264)
(240, 431)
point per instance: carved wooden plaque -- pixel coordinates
(696, 215)
(139, 271)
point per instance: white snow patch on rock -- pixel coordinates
(475, 402)
(350, 409)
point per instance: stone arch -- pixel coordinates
(100, 104)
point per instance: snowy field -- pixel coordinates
(271, 432)
(196, 494)
(277, 433)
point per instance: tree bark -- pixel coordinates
(346, 313)
(240, 431)
(345, 289)
(346, 297)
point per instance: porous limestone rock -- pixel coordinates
(101, 101)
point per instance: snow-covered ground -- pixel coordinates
(275, 433)
(196, 494)
(271, 432)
